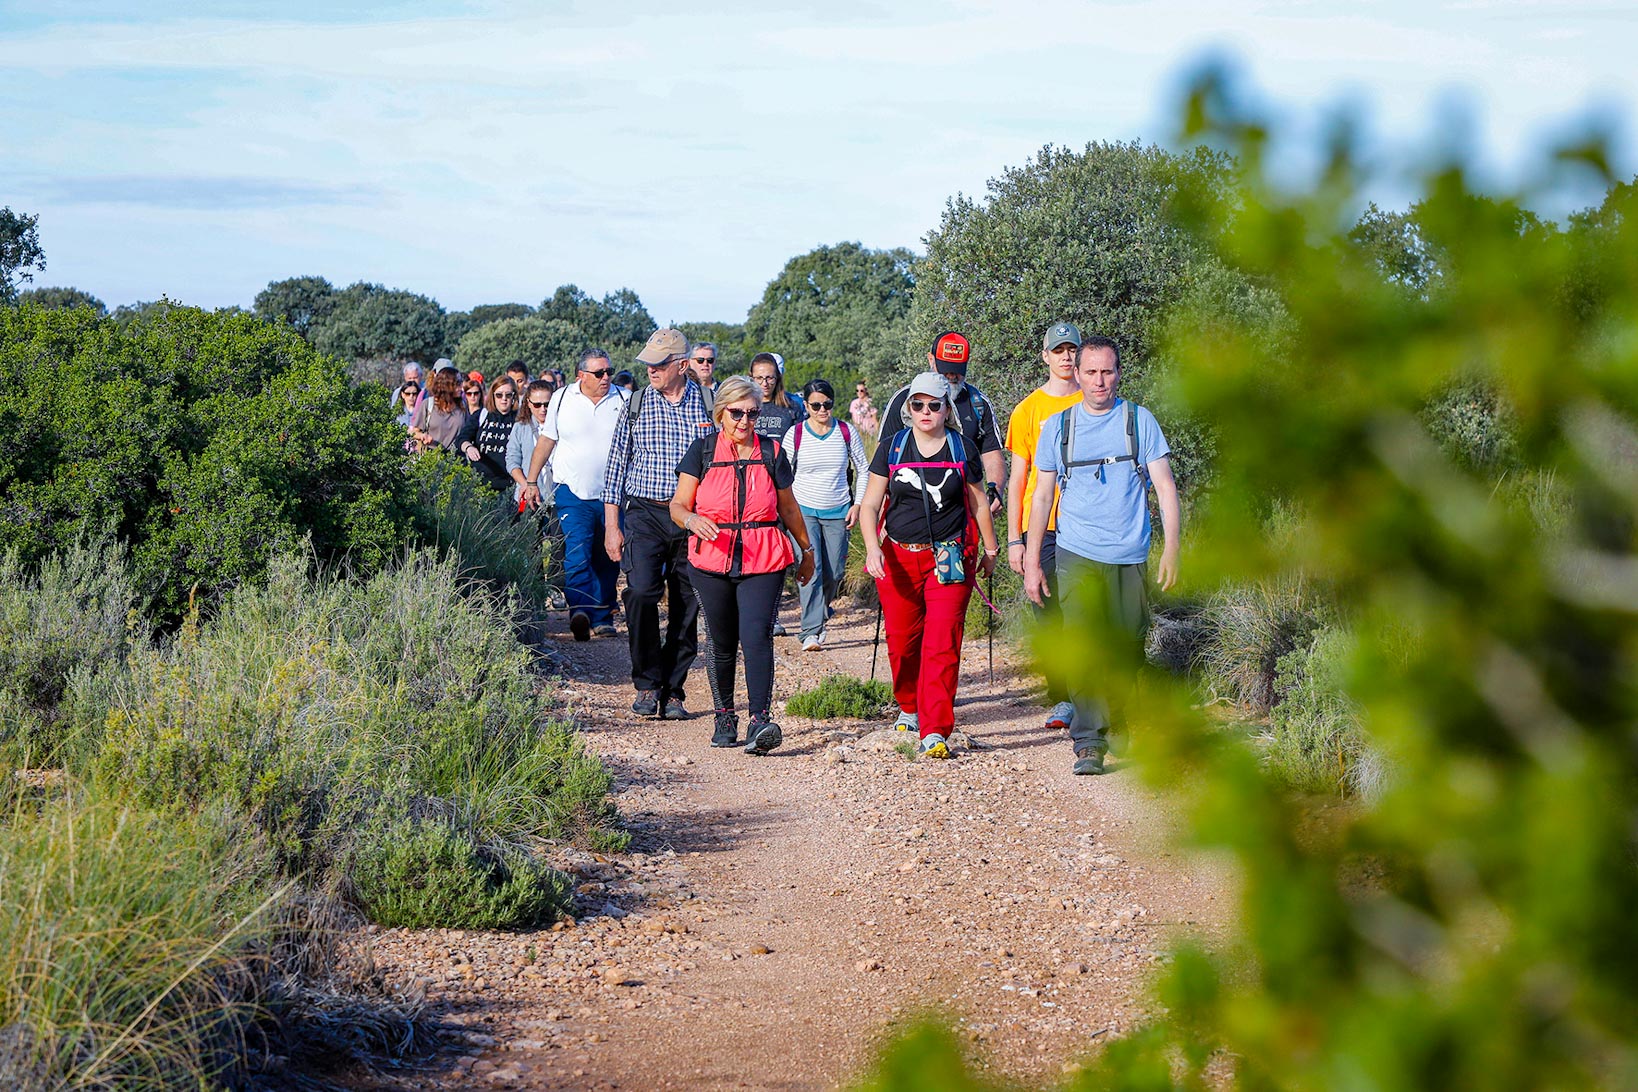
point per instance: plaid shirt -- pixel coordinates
(647, 448)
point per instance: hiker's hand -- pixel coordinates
(875, 563)
(472, 453)
(1035, 585)
(614, 540)
(706, 530)
(531, 496)
(852, 518)
(1166, 574)
(1015, 558)
(804, 568)
(986, 562)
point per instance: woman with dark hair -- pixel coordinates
(484, 438)
(822, 450)
(472, 393)
(440, 416)
(734, 499)
(520, 448)
(779, 410)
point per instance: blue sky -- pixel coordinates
(489, 151)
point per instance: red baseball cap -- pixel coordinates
(951, 351)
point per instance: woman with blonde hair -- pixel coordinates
(734, 499)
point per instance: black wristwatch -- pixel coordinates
(992, 492)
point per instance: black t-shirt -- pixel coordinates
(943, 490)
(702, 449)
(772, 422)
(978, 424)
(490, 435)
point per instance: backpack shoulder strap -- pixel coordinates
(895, 451)
(847, 434)
(1132, 447)
(707, 397)
(1066, 436)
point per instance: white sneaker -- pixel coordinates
(813, 643)
(907, 722)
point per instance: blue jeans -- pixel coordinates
(828, 537)
(588, 572)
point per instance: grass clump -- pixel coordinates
(460, 516)
(1317, 742)
(842, 696)
(129, 945)
(424, 872)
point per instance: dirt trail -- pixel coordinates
(777, 918)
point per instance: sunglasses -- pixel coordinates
(705, 360)
(918, 406)
(816, 404)
(504, 394)
(740, 414)
(539, 405)
(596, 373)
(474, 390)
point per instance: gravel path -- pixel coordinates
(777, 918)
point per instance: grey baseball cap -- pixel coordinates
(1064, 333)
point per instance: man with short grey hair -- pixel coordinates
(702, 362)
(654, 433)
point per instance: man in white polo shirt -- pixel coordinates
(577, 436)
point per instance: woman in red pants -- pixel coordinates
(927, 562)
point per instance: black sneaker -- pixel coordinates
(762, 736)
(779, 630)
(580, 625)
(604, 630)
(1089, 761)
(727, 733)
(674, 709)
(647, 704)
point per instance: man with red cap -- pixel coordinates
(950, 356)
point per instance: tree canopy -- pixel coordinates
(303, 302)
(371, 320)
(62, 297)
(20, 253)
(540, 343)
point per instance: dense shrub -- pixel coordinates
(420, 873)
(1317, 743)
(1248, 627)
(540, 343)
(66, 627)
(208, 443)
(312, 704)
(460, 516)
(842, 696)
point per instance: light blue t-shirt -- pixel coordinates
(1102, 512)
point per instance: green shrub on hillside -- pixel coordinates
(1317, 744)
(206, 443)
(842, 696)
(463, 518)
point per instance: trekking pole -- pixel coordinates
(991, 605)
(877, 643)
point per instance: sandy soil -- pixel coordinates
(778, 918)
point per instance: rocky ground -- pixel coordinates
(779, 918)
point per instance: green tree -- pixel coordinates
(836, 311)
(616, 321)
(370, 320)
(303, 302)
(1091, 237)
(733, 353)
(460, 323)
(62, 297)
(20, 253)
(540, 343)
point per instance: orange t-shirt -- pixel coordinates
(1024, 432)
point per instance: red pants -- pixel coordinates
(924, 622)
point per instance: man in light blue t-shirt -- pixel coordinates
(1116, 450)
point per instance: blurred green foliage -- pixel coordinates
(1493, 664)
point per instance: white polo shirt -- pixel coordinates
(584, 434)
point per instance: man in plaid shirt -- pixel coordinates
(660, 423)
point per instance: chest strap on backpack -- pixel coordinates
(1066, 442)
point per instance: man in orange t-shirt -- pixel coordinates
(1057, 394)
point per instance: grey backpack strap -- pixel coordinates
(1132, 447)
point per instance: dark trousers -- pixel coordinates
(1113, 602)
(1050, 617)
(738, 612)
(655, 562)
(589, 573)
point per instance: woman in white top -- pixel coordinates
(822, 449)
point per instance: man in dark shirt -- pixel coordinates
(949, 357)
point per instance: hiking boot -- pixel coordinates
(604, 630)
(580, 626)
(907, 722)
(1062, 716)
(779, 630)
(1089, 761)
(647, 704)
(674, 709)
(934, 745)
(727, 733)
(762, 735)
(558, 601)
(812, 643)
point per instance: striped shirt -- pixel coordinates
(648, 447)
(821, 467)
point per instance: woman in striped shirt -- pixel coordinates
(822, 449)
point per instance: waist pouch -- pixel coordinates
(949, 564)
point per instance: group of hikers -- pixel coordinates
(705, 493)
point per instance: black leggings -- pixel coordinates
(738, 612)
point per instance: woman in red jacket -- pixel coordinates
(734, 498)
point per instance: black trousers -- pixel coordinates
(738, 612)
(655, 561)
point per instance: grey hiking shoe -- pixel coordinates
(674, 709)
(1089, 761)
(762, 735)
(647, 704)
(1062, 716)
(907, 722)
